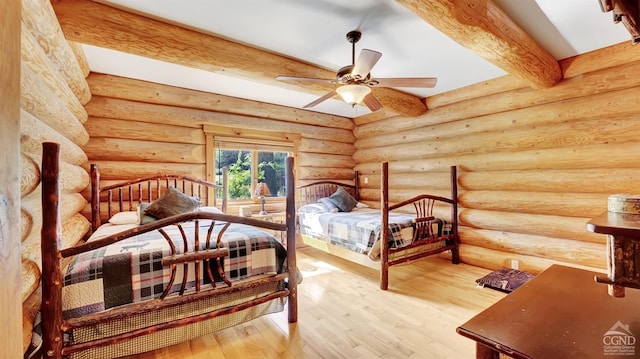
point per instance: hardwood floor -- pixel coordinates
(343, 314)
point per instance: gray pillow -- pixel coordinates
(343, 200)
(329, 204)
(171, 203)
(143, 217)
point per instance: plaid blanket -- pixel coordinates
(131, 270)
(357, 231)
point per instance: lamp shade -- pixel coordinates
(262, 190)
(353, 94)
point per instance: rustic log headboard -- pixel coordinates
(312, 192)
(125, 196)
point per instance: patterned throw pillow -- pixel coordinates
(343, 200)
(171, 203)
(505, 279)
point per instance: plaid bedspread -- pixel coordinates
(357, 231)
(131, 271)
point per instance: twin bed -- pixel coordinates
(353, 232)
(141, 283)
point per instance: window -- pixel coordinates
(251, 157)
(245, 172)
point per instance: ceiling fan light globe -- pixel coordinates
(353, 94)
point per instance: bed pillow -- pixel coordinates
(362, 205)
(211, 209)
(329, 204)
(129, 217)
(505, 279)
(143, 217)
(171, 203)
(343, 200)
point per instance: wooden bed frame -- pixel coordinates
(423, 236)
(271, 289)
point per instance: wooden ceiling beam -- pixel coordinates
(104, 26)
(482, 27)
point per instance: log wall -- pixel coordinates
(139, 128)
(534, 165)
(53, 93)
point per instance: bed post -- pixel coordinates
(95, 197)
(455, 252)
(225, 181)
(384, 223)
(291, 241)
(50, 242)
(356, 184)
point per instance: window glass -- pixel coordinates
(269, 167)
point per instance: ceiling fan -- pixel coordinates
(356, 80)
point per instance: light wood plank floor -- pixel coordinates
(343, 314)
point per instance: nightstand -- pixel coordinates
(275, 217)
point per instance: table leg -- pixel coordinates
(485, 352)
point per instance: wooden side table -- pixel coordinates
(275, 217)
(623, 250)
(561, 313)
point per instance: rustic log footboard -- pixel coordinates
(199, 298)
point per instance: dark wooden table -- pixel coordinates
(561, 313)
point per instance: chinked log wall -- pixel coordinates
(53, 92)
(139, 128)
(534, 165)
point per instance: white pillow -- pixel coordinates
(211, 209)
(124, 218)
(362, 205)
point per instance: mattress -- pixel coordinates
(131, 271)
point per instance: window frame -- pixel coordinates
(254, 141)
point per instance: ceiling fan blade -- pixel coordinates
(365, 62)
(321, 99)
(312, 79)
(404, 82)
(372, 103)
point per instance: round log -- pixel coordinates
(492, 259)
(74, 230)
(117, 170)
(476, 115)
(560, 249)
(34, 132)
(39, 63)
(543, 225)
(324, 160)
(552, 135)
(30, 278)
(592, 180)
(179, 116)
(26, 223)
(37, 99)
(618, 155)
(113, 149)
(73, 178)
(42, 23)
(324, 173)
(30, 309)
(149, 92)
(584, 205)
(325, 146)
(70, 203)
(143, 131)
(78, 52)
(29, 175)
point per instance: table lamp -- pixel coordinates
(262, 190)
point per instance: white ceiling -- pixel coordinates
(314, 31)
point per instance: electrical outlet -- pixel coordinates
(515, 264)
(366, 180)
